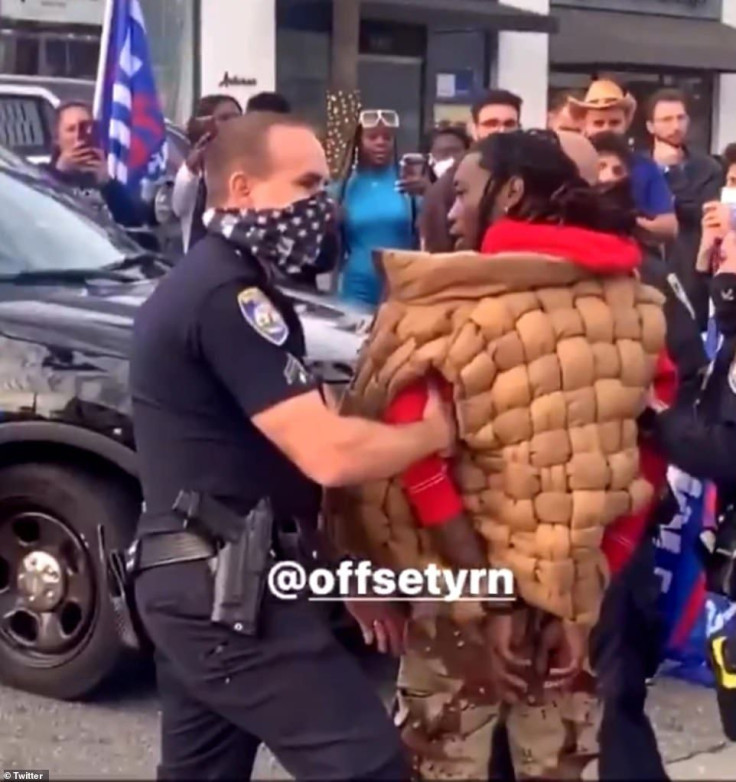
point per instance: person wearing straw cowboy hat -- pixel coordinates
(607, 107)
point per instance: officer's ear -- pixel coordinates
(239, 189)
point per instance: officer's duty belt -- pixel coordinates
(168, 548)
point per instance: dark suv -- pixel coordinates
(69, 289)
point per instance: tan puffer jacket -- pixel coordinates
(550, 367)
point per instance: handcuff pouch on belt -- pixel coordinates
(243, 547)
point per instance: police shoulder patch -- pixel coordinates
(262, 316)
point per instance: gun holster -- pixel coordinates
(244, 553)
(240, 546)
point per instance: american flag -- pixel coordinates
(127, 107)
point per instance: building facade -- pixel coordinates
(649, 44)
(424, 59)
(50, 37)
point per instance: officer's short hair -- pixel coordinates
(242, 142)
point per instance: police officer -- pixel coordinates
(224, 407)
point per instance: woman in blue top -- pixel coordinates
(376, 208)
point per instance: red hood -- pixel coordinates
(599, 252)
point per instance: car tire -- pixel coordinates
(80, 502)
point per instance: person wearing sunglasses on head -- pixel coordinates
(379, 204)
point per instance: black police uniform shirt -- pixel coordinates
(701, 439)
(213, 346)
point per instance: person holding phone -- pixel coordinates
(378, 202)
(190, 195)
(79, 163)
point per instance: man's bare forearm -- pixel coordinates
(367, 451)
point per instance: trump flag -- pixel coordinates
(127, 107)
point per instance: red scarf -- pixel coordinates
(599, 252)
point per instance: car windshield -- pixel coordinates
(41, 229)
(15, 162)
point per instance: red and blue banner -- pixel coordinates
(127, 106)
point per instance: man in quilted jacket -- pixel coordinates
(546, 344)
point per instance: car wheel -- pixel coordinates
(58, 630)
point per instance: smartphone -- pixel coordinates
(412, 166)
(728, 196)
(87, 134)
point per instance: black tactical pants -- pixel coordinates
(626, 648)
(294, 688)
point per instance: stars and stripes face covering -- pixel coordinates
(289, 239)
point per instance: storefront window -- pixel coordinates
(642, 85)
(28, 53)
(171, 33)
(83, 57)
(55, 52)
(302, 71)
(27, 56)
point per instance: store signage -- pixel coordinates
(703, 9)
(55, 11)
(236, 81)
(455, 86)
(236, 34)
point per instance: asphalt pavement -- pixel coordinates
(116, 735)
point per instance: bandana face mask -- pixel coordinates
(288, 239)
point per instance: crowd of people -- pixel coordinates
(536, 362)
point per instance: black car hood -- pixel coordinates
(96, 319)
(92, 319)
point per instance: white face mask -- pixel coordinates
(441, 167)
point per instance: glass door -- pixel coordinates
(391, 82)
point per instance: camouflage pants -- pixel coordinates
(447, 724)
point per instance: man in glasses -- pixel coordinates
(497, 111)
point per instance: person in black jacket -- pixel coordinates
(695, 180)
(700, 438)
(628, 642)
(78, 163)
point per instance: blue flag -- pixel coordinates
(127, 107)
(692, 614)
